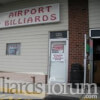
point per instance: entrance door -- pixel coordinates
(58, 59)
(96, 59)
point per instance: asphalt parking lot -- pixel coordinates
(23, 97)
(4, 96)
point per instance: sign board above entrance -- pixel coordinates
(58, 34)
(29, 16)
(95, 33)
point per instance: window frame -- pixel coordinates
(7, 49)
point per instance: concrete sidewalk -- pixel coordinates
(4, 96)
(21, 96)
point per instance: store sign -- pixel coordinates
(57, 57)
(95, 33)
(57, 53)
(58, 34)
(29, 16)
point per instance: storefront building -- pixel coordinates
(42, 39)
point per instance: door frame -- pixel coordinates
(66, 57)
(91, 60)
(98, 84)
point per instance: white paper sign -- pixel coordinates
(57, 57)
(28, 16)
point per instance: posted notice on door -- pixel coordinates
(57, 53)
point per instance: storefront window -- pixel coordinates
(13, 49)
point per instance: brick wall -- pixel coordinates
(78, 26)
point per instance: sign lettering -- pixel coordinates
(29, 16)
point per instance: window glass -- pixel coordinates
(13, 49)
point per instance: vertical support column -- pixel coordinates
(78, 26)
